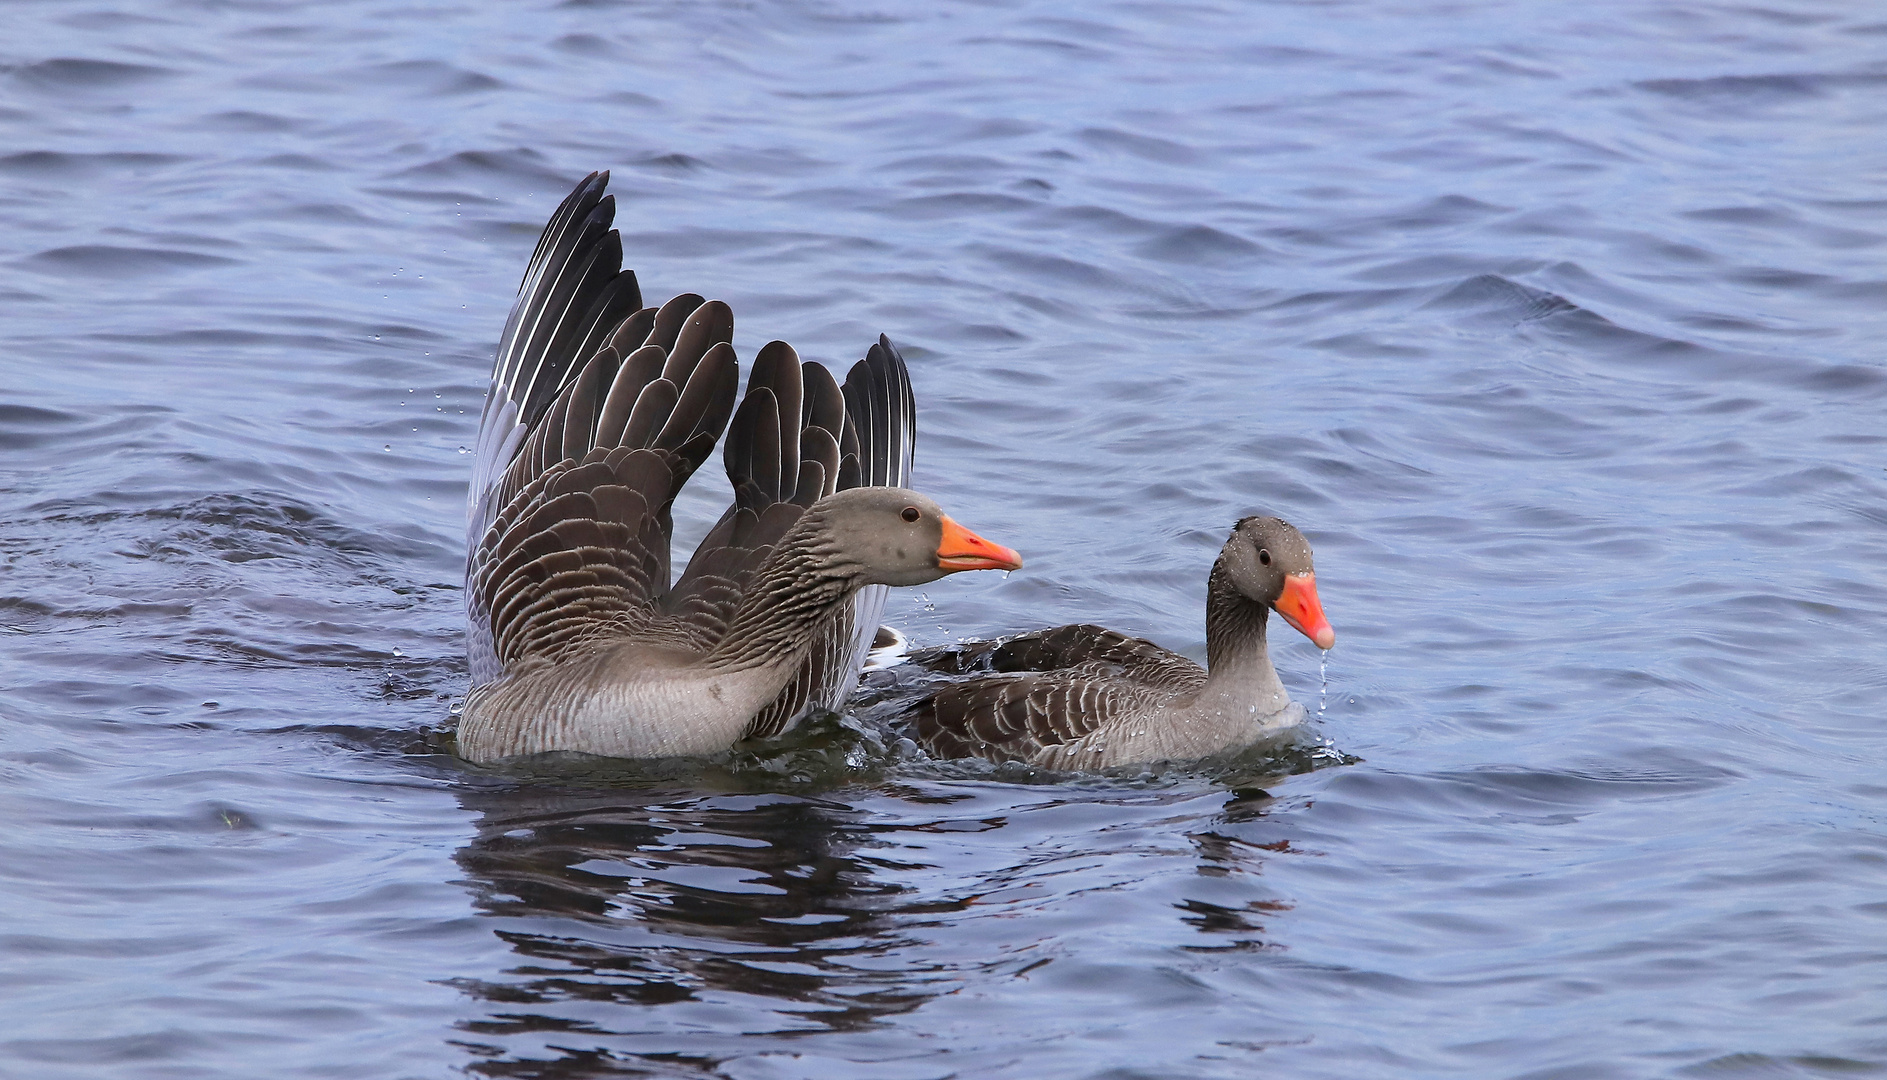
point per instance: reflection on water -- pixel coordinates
(650, 922)
(766, 898)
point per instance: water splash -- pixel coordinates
(1326, 753)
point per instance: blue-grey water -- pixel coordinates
(1558, 328)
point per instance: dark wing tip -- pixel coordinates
(880, 405)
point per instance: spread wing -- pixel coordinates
(573, 284)
(599, 411)
(798, 437)
(782, 455)
(1053, 687)
(876, 451)
(883, 411)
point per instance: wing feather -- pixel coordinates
(583, 445)
(634, 332)
(1015, 717)
(573, 290)
(777, 368)
(708, 390)
(1051, 687)
(638, 370)
(669, 319)
(861, 434)
(652, 409)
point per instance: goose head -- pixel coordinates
(894, 536)
(1269, 562)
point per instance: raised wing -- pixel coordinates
(782, 455)
(877, 441)
(574, 288)
(883, 411)
(579, 464)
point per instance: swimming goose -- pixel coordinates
(1084, 697)
(599, 411)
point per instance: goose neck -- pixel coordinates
(1235, 632)
(799, 585)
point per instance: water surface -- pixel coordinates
(1555, 327)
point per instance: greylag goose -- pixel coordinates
(1084, 697)
(598, 412)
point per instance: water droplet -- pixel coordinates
(1323, 695)
(463, 450)
(397, 652)
(388, 448)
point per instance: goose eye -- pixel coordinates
(1264, 556)
(911, 514)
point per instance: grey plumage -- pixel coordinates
(1083, 696)
(599, 411)
(1061, 686)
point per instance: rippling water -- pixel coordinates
(1556, 327)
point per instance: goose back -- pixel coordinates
(1053, 688)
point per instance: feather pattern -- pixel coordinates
(600, 409)
(1059, 686)
(878, 398)
(879, 412)
(761, 453)
(1084, 696)
(562, 399)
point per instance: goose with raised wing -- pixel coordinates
(599, 411)
(1085, 697)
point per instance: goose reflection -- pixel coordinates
(672, 925)
(742, 914)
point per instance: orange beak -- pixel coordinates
(1300, 608)
(962, 549)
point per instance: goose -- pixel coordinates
(1085, 697)
(599, 410)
